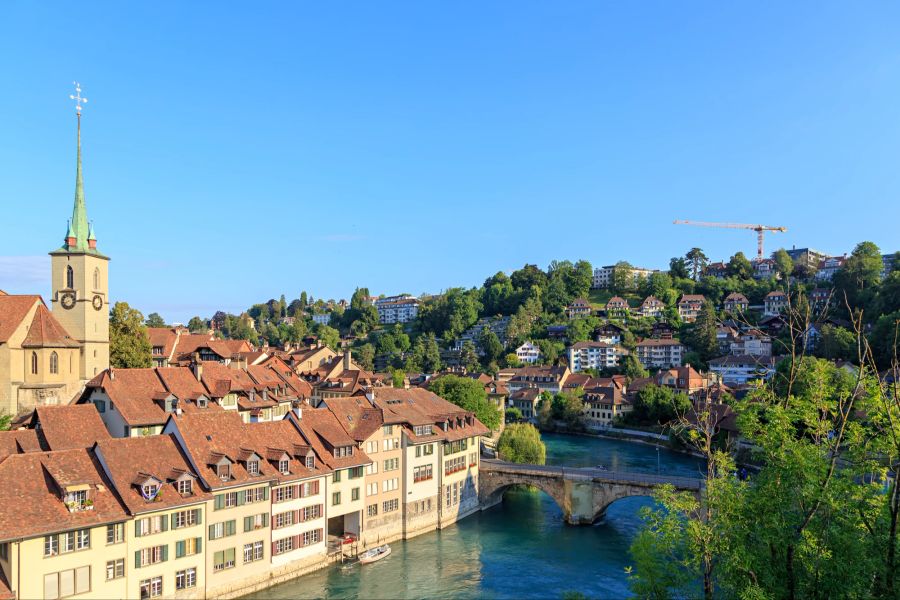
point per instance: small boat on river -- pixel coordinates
(370, 556)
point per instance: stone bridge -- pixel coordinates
(582, 494)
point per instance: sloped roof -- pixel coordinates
(69, 426)
(19, 441)
(356, 415)
(13, 309)
(156, 455)
(163, 337)
(320, 428)
(46, 332)
(29, 482)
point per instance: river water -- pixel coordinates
(519, 549)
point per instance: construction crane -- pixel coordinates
(759, 229)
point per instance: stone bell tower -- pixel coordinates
(80, 288)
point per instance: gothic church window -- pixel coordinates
(96, 279)
(34, 363)
(70, 278)
(54, 363)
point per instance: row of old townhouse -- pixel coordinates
(211, 505)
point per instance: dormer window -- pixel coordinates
(149, 490)
(76, 499)
(224, 472)
(185, 487)
(253, 467)
(284, 466)
(310, 462)
(202, 402)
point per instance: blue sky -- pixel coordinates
(237, 151)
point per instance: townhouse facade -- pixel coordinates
(689, 307)
(593, 355)
(660, 353)
(397, 309)
(775, 303)
(213, 506)
(528, 353)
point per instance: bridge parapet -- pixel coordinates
(583, 494)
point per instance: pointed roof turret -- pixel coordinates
(80, 236)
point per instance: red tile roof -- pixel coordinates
(210, 436)
(320, 428)
(71, 426)
(33, 483)
(46, 332)
(19, 441)
(13, 309)
(130, 460)
(356, 415)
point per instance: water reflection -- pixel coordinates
(520, 549)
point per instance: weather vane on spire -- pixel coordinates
(78, 98)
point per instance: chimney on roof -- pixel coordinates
(347, 359)
(112, 374)
(299, 412)
(197, 366)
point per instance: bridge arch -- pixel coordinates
(584, 495)
(494, 496)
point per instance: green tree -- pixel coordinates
(623, 278)
(521, 443)
(197, 325)
(784, 264)
(329, 336)
(889, 293)
(364, 356)
(468, 357)
(696, 261)
(513, 414)
(656, 405)
(155, 320)
(658, 285)
(528, 277)
(836, 342)
(703, 333)
(469, 394)
(632, 368)
(490, 345)
(859, 277)
(740, 267)
(129, 345)
(678, 268)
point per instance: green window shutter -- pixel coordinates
(220, 501)
(173, 520)
(230, 527)
(199, 545)
(265, 493)
(137, 528)
(165, 553)
(137, 559)
(179, 549)
(241, 498)
(265, 519)
(198, 516)
(211, 532)
(248, 523)
(164, 524)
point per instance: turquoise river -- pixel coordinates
(519, 549)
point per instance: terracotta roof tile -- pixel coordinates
(71, 426)
(13, 310)
(46, 332)
(131, 460)
(31, 483)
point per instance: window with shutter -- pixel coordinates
(198, 516)
(164, 555)
(179, 549)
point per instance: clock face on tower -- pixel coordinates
(67, 300)
(97, 302)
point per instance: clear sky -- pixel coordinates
(237, 151)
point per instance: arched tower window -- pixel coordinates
(70, 277)
(54, 363)
(96, 278)
(34, 363)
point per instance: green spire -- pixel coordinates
(79, 224)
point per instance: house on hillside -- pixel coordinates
(689, 307)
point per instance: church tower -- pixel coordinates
(80, 288)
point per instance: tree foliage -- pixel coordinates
(469, 394)
(129, 345)
(521, 443)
